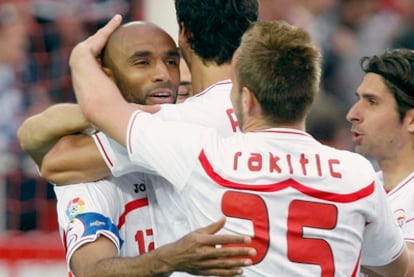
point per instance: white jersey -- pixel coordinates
(116, 208)
(402, 204)
(106, 198)
(211, 108)
(311, 210)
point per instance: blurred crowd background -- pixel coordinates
(36, 37)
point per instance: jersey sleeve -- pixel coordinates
(147, 147)
(382, 234)
(114, 155)
(85, 212)
(86, 228)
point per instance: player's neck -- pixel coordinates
(205, 75)
(395, 171)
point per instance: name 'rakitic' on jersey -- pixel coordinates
(287, 164)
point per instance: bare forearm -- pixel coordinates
(100, 258)
(39, 133)
(141, 266)
(74, 159)
(196, 253)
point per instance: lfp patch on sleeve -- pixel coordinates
(75, 206)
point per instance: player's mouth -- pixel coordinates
(356, 136)
(161, 96)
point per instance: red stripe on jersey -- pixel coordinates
(134, 117)
(329, 196)
(104, 151)
(129, 207)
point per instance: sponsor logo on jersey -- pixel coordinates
(97, 223)
(75, 206)
(139, 188)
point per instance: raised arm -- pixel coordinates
(195, 253)
(55, 141)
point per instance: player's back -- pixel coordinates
(307, 207)
(311, 210)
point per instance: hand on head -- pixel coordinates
(95, 43)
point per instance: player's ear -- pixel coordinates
(409, 120)
(249, 100)
(108, 72)
(184, 33)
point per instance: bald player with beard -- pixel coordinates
(106, 225)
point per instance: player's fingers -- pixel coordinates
(220, 266)
(94, 44)
(229, 252)
(99, 39)
(225, 239)
(212, 228)
(221, 272)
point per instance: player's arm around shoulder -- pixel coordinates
(195, 253)
(89, 259)
(38, 133)
(74, 159)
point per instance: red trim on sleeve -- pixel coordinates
(134, 117)
(104, 151)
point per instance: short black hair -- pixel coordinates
(215, 27)
(396, 66)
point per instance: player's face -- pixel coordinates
(376, 129)
(147, 66)
(185, 89)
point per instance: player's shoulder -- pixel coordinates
(354, 159)
(219, 89)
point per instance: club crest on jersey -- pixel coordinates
(75, 206)
(399, 216)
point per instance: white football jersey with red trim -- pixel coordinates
(211, 108)
(311, 210)
(401, 199)
(116, 208)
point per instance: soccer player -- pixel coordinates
(208, 55)
(100, 220)
(383, 129)
(311, 210)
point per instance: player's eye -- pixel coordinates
(141, 62)
(372, 101)
(172, 61)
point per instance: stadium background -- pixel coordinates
(36, 37)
